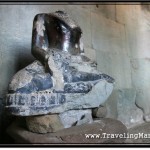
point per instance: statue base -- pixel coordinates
(75, 135)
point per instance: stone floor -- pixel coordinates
(140, 129)
(76, 134)
(28, 137)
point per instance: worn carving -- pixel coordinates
(62, 78)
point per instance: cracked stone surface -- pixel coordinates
(58, 102)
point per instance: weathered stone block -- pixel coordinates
(108, 11)
(116, 65)
(140, 72)
(56, 122)
(111, 105)
(123, 101)
(76, 134)
(108, 35)
(76, 117)
(124, 12)
(99, 112)
(44, 124)
(140, 77)
(128, 112)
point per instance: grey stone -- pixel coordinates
(140, 77)
(98, 95)
(127, 111)
(105, 30)
(111, 105)
(106, 62)
(75, 117)
(99, 112)
(85, 25)
(35, 78)
(116, 53)
(90, 53)
(30, 79)
(77, 134)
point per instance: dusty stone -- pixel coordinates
(116, 53)
(98, 95)
(55, 122)
(44, 124)
(90, 53)
(75, 117)
(109, 31)
(106, 62)
(31, 79)
(140, 77)
(34, 77)
(139, 134)
(111, 105)
(109, 11)
(99, 112)
(63, 102)
(127, 111)
(76, 134)
(82, 13)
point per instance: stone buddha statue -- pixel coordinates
(62, 78)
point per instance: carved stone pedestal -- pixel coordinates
(100, 129)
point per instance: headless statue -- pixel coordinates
(61, 73)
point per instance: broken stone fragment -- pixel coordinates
(128, 112)
(56, 122)
(44, 124)
(99, 112)
(125, 109)
(76, 117)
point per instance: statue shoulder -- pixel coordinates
(40, 16)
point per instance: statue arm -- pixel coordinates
(39, 38)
